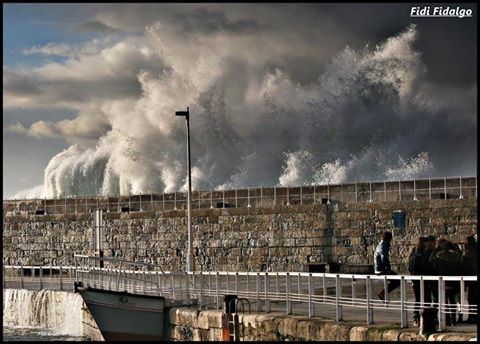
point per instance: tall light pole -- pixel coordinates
(190, 261)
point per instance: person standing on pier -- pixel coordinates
(446, 261)
(418, 264)
(469, 268)
(382, 263)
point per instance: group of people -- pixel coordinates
(434, 257)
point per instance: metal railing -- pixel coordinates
(39, 277)
(308, 292)
(373, 191)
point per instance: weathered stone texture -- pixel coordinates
(279, 238)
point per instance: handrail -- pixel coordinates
(311, 289)
(390, 191)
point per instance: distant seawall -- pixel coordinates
(334, 236)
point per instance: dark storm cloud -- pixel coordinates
(96, 26)
(208, 21)
(283, 94)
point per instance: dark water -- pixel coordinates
(12, 334)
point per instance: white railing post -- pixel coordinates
(288, 195)
(414, 190)
(400, 190)
(353, 291)
(462, 296)
(60, 278)
(288, 282)
(258, 291)
(338, 294)
(267, 287)
(21, 277)
(441, 303)
(301, 196)
(385, 189)
(175, 201)
(310, 293)
(217, 290)
(163, 201)
(422, 294)
(211, 199)
(324, 289)
(445, 187)
(461, 189)
(429, 188)
(118, 276)
(370, 199)
(236, 199)
(369, 297)
(403, 299)
(237, 283)
(261, 196)
(248, 205)
(201, 290)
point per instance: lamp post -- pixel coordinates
(190, 261)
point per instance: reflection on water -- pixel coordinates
(36, 334)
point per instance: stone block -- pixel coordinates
(211, 318)
(390, 335)
(267, 323)
(184, 317)
(215, 334)
(288, 327)
(358, 333)
(182, 333)
(199, 335)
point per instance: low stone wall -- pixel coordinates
(192, 325)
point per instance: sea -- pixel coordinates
(36, 334)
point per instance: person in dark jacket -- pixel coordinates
(419, 264)
(468, 265)
(446, 261)
(382, 263)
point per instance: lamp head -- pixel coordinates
(182, 113)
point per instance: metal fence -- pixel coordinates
(374, 191)
(39, 277)
(306, 293)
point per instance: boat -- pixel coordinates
(122, 316)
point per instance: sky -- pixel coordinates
(279, 94)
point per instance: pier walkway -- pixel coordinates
(343, 297)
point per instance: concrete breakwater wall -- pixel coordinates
(280, 238)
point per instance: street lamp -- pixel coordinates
(190, 261)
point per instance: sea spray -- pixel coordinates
(371, 115)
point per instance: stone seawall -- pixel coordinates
(281, 238)
(192, 325)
